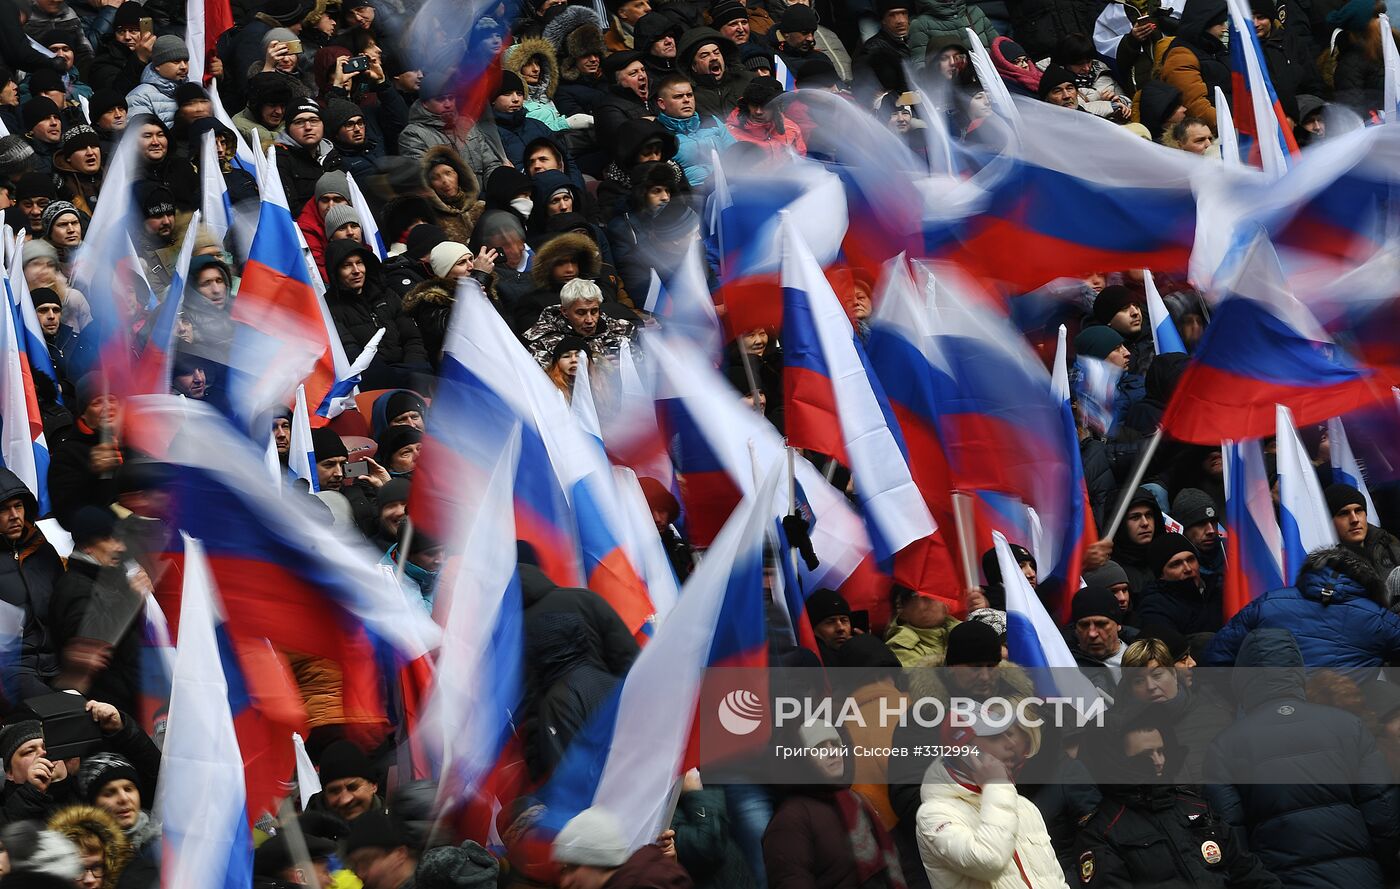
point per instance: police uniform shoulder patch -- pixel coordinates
(1210, 851)
(1286, 710)
(1086, 867)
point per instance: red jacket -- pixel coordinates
(766, 134)
(313, 228)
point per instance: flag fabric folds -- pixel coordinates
(1304, 519)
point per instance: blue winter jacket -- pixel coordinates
(154, 95)
(1329, 614)
(697, 144)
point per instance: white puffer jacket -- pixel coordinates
(975, 840)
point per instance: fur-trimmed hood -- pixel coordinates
(566, 27)
(466, 178)
(516, 57)
(75, 821)
(432, 292)
(560, 247)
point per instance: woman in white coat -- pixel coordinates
(974, 829)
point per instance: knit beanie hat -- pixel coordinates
(373, 830)
(973, 642)
(817, 72)
(1054, 76)
(1107, 575)
(991, 568)
(422, 239)
(1192, 506)
(45, 80)
(339, 112)
(89, 387)
(16, 735)
(327, 445)
(44, 296)
(726, 11)
(824, 604)
(342, 759)
(1110, 301)
(15, 153)
(1097, 342)
(401, 401)
(445, 255)
(1161, 550)
(798, 18)
(100, 769)
(1340, 496)
(591, 838)
(333, 182)
(92, 523)
(38, 249)
(989, 616)
(395, 439)
(37, 109)
(105, 100)
(189, 92)
(56, 209)
(303, 106)
(76, 137)
(1093, 601)
(395, 490)
(339, 215)
(567, 343)
(169, 48)
(281, 35)
(128, 15)
(510, 83)
(755, 56)
(762, 90)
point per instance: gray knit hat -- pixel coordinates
(339, 215)
(38, 249)
(333, 182)
(1106, 575)
(57, 209)
(169, 49)
(15, 152)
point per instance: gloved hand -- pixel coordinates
(579, 121)
(796, 530)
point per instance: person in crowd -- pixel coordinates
(918, 634)
(27, 583)
(1193, 716)
(1334, 611)
(1356, 533)
(590, 851)
(1303, 783)
(1098, 644)
(1182, 597)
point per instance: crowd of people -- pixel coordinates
(565, 178)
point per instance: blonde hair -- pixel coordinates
(1142, 652)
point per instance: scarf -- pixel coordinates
(1026, 78)
(873, 849)
(688, 126)
(143, 831)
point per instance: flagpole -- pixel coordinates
(964, 525)
(1145, 455)
(404, 546)
(792, 510)
(296, 843)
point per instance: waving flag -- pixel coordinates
(836, 407)
(1229, 139)
(368, 227)
(710, 431)
(1304, 519)
(249, 159)
(1164, 334)
(1262, 347)
(1059, 583)
(478, 683)
(280, 576)
(1391, 59)
(308, 781)
(1033, 640)
(683, 304)
(1345, 467)
(495, 360)
(277, 297)
(11, 644)
(635, 748)
(213, 191)
(1254, 546)
(1097, 390)
(437, 40)
(1257, 112)
(35, 346)
(153, 371)
(200, 800)
(301, 453)
(23, 448)
(744, 212)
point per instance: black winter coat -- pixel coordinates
(1040, 24)
(115, 67)
(359, 316)
(1155, 836)
(615, 109)
(517, 131)
(572, 685)
(1180, 604)
(72, 483)
(1305, 782)
(299, 168)
(27, 580)
(1359, 79)
(879, 66)
(580, 95)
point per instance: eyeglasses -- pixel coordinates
(97, 870)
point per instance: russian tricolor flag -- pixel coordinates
(1257, 112)
(1304, 519)
(35, 346)
(635, 748)
(200, 800)
(23, 448)
(1061, 580)
(487, 350)
(1262, 347)
(277, 296)
(1346, 469)
(835, 405)
(1254, 547)
(1165, 337)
